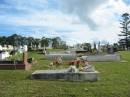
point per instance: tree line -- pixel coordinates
(17, 40)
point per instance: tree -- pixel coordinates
(63, 45)
(87, 46)
(94, 46)
(115, 47)
(3, 40)
(30, 42)
(36, 42)
(125, 32)
(56, 42)
(14, 40)
(45, 41)
(33, 43)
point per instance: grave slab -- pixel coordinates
(108, 57)
(64, 56)
(64, 75)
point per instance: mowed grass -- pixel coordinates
(114, 81)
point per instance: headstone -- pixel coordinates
(110, 50)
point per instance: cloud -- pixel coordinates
(81, 8)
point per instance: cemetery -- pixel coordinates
(108, 74)
(54, 72)
(65, 48)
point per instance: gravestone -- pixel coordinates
(110, 50)
(64, 75)
(64, 56)
(108, 57)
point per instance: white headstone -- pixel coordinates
(25, 48)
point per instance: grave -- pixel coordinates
(64, 75)
(64, 56)
(12, 65)
(108, 57)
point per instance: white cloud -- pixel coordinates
(81, 8)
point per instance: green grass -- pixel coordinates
(114, 81)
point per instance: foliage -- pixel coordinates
(33, 43)
(125, 32)
(87, 46)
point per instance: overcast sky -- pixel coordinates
(75, 21)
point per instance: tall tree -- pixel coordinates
(56, 42)
(36, 42)
(87, 46)
(30, 42)
(14, 40)
(125, 32)
(3, 40)
(94, 46)
(45, 41)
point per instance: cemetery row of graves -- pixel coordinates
(16, 80)
(10, 54)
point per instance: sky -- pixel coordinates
(75, 21)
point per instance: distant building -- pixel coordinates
(6, 47)
(4, 55)
(1, 48)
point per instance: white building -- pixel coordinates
(4, 55)
(10, 47)
(1, 48)
(6, 47)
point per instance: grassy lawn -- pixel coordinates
(114, 81)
